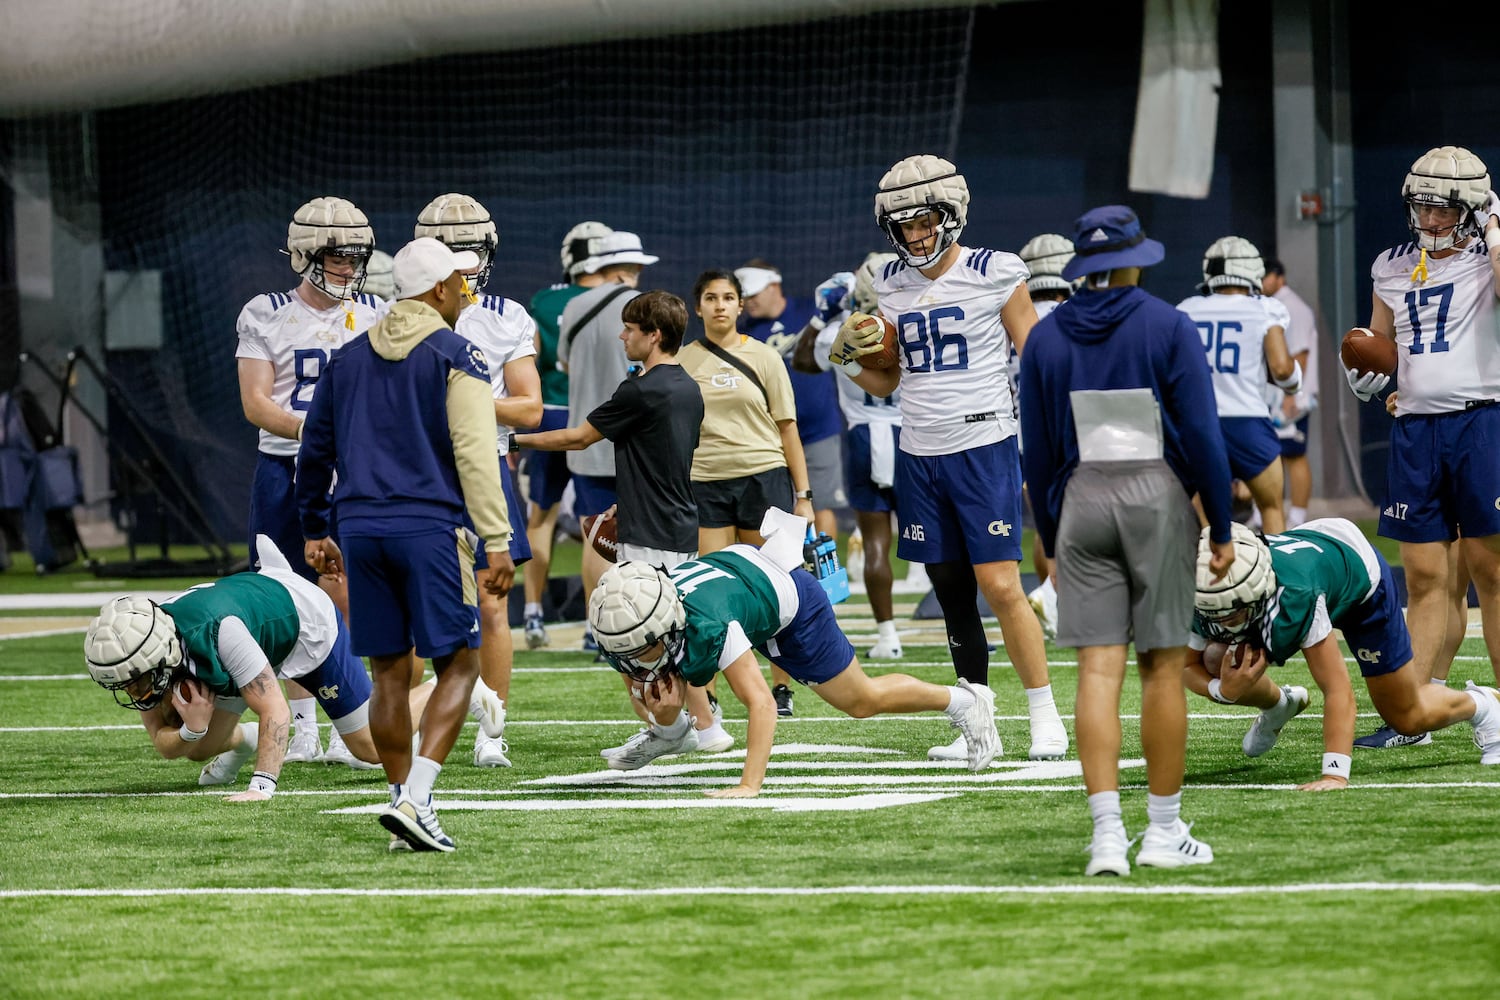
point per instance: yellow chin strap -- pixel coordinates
(469, 292)
(1419, 274)
(348, 315)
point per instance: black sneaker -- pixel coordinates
(783, 696)
(1386, 738)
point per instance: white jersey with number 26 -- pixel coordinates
(1233, 330)
(298, 340)
(955, 386)
(505, 332)
(1446, 332)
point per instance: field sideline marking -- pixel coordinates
(1101, 889)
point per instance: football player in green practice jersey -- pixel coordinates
(667, 629)
(1289, 592)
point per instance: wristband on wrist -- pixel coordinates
(190, 735)
(1292, 382)
(852, 368)
(817, 323)
(1492, 237)
(1216, 693)
(299, 429)
(1337, 765)
(260, 781)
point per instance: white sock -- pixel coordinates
(1440, 681)
(1485, 706)
(250, 731)
(1296, 516)
(677, 729)
(1105, 808)
(1047, 588)
(304, 715)
(959, 700)
(1163, 810)
(424, 772)
(395, 790)
(533, 609)
(1039, 700)
(1281, 700)
(887, 630)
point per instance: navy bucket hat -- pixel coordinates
(1110, 237)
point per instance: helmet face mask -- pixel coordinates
(1233, 262)
(1445, 177)
(462, 223)
(331, 230)
(581, 243)
(635, 610)
(911, 190)
(1232, 609)
(132, 650)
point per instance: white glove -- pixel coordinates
(833, 295)
(861, 334)
(1492, 208)
(1366, 385)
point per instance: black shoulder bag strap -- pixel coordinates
(728, 358)
(567, 338)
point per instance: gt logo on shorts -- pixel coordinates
(328, 692)
(999, 528)
(1370, 656)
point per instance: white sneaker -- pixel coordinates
(304, 746)
(225, 768)
(1172, 847)
(536, 632)
(338, 752)
(1049, 737)
(1107, 852)
(915, 582)
(1043, 601)
(647, 745)
(1487, 736)
(981, 740)
(491, 751)
(714, 739)
(487, 708)
(854, 557)
(1266, 728)
(885, 648)
(959, 750)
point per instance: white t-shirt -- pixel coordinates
(1233, 331)
(1446, 335)
(505, 332)
(955, 351)
(298, 340)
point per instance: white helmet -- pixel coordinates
(633, 607)
(330, 226)
(133, 638)
(864, 281)
(581, 243)
(1046, 256)
(918, 185)
(1227, 610)
(380, 276)
(1233, 262)
(463, 224)
(1447, 176)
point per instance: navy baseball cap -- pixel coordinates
(1109, 237)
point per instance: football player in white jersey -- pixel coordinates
(1435, 297)
(956, 311)
(1045, 256)
(285, 340)
(506, 333)
(873, 429)
(1244, 338)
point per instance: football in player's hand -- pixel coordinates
(885, 357)
(1213, 657)
(602, 532)
(1365, 350)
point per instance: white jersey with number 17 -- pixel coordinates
(1446, 332)
(954, 350)
(298, 340)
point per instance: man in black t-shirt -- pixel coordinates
(653, 420)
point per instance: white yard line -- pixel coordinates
(1113, 888)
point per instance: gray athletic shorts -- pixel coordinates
(825, 472)
(1127, 544)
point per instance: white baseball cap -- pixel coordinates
(424, 262)
(754, 280)
(617, 248)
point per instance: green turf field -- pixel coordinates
(863, 870)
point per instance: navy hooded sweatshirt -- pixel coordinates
(1119, 338)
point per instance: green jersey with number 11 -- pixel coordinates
(718, 589)
(1324, 569)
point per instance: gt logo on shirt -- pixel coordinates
(723, 380)
(999, 528)
(914, 533)
(328, 692)
(1370, 656)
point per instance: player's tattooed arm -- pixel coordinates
(263, 696)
